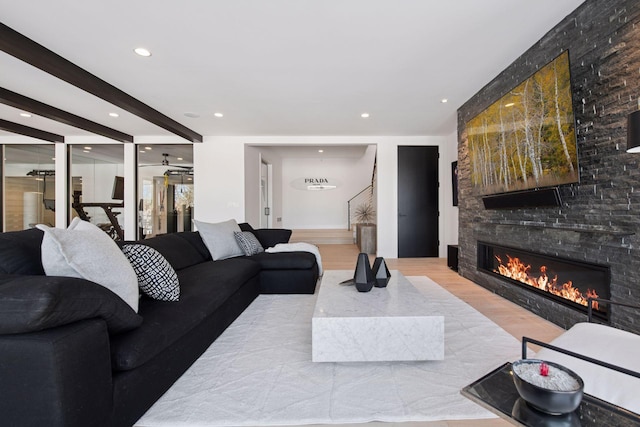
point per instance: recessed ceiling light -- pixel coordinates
(86, 151)
(444, 100)
(218, 115)
(147, 148)
(142, 151)
(114, 114)
(142, 51)
(87, 148)
(192, 115)
(320, 151)
(364, 115)
(179, 158)
(25, 114)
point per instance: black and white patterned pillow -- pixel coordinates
(248, 242)
(156, 277)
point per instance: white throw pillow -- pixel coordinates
(85, 251)
(219, 238)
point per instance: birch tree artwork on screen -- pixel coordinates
(526, 139)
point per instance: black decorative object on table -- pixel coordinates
(364, 278)
(381, 273)
(541, 395)
(497, 392)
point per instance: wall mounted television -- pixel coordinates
(526, 140)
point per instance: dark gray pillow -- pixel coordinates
(156, 278)
(20, 252)
(34, 303)
(248, 242)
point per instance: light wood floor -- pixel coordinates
(511, 317)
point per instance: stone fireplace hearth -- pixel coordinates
(598, 259)
(598, 219)
(565, 281)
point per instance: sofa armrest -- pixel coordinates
(269, 237)
(57, 377)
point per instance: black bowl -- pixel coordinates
(549, 401)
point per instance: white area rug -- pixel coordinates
(259, 372)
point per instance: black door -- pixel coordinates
(417, 201)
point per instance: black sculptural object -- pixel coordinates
(363, 276)
(381, 273)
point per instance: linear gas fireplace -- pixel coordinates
(566, 281)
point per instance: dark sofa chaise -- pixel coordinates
(72, 353)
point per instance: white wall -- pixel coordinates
(219, 180)
(326, 209)
(218, 175)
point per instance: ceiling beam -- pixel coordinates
(29, 131)
(22, 102)
(25, 49)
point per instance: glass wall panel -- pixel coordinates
(165, 189)
(97, 186)
(29, 184)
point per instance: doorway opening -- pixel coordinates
(265, 195)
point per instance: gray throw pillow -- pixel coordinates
(156, 278)
(219, 239)
(85, 251)
(248, 242)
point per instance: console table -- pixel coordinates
(396, 323)
(497, 393)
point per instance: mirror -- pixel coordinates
(29, 184)
(165, 189)
(97, 186)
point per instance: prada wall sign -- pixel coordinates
(315, 183)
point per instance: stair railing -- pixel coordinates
(365, 196)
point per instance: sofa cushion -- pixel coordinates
(85, 251)
(248, 242)
(20, 252)
(33, 303)
(156, 278)
(268, 237)
(285, 260)
(182, 249)
(219, 238)
(203, 289)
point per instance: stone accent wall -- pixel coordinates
(599, 219)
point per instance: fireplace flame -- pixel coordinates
(515, 269)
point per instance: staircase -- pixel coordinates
(323, 236)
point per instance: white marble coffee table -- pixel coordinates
(396, 323)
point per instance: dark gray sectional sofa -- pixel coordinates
(72, 353)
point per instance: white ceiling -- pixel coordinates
(276, 67)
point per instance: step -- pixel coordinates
(323, 236)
